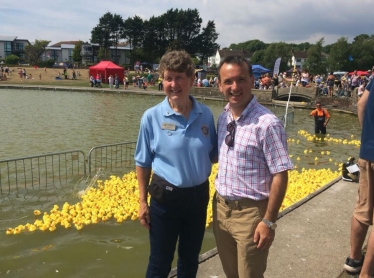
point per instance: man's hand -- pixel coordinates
(144, 215)
(264, 236)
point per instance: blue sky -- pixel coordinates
(236, 20)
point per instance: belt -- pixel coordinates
(240, 203)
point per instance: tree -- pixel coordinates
(316, 63)
(251, 46)
(108, 33)
(77, 57)
(207, 41)
(12, 59)
(339, 56)
(362, 52)
(134, 33)
(34, 51)
(101, 54)
(273, 52)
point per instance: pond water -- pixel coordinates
(40, 122)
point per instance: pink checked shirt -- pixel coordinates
(259, 151)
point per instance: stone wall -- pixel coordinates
(213, 92)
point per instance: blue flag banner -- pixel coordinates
(350, 58)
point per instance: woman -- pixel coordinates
(110, 80)
(355, 80)
(361, 89)
(330, 84)
(177, 141)
(304, 78)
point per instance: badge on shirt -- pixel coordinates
(168, 126)
(205, 130)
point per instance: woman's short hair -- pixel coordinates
(178, 61)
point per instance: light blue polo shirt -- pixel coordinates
(177, 149)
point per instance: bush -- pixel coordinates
(49, 63)
(12, 59)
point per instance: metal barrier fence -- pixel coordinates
(59, 169)
(290, 116)
(112, 157)
(41, 170)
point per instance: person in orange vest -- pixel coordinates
(321, 118)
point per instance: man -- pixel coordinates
(371, 75)
(252, 176)
(363, 211)
(368, 75)
(321, 118)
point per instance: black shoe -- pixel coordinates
(353, 266)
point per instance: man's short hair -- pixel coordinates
(178, 61)
(235, 60)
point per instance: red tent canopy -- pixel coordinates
(360, 72)
(107, 68)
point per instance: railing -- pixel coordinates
(286, 119)
(41, 170)
(86, 52)
(113, 157)
(64, 168)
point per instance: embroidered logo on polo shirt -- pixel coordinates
(205, 130)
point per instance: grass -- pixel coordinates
(48, 78)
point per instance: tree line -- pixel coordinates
(341, 55)
(176, 29)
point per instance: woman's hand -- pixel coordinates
(144, 215)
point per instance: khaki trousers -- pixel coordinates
(234, 224)
(363, 211)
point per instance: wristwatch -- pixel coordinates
(271, 225)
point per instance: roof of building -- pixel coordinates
(225, 53)
(301, 55)
(7, 38)
(64, 42)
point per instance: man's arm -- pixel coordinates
(327, 119)
(361, 104)
(264, 236)
(143, 175)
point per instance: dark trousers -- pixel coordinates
(184, 220)
(160, 86)
(319, 128)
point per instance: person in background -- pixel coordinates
(355, 80)
(344, 82)
(177, 142)
(116, 81)
(321, 118)
(304, 78)
(363, 212)
(361, 88)
(275, 81)
(252, 177)
(160, 80)
(371, 77)
(330, 84)
(266, 81)
(125, 82)
(110, 80)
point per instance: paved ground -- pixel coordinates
(312, 238)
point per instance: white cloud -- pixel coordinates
(236, 20)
